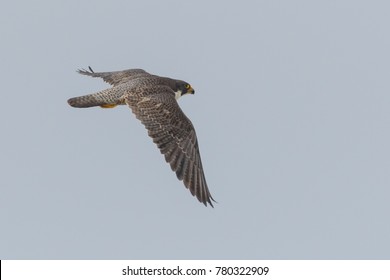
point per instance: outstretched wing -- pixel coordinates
(174, 135)
(115, 78)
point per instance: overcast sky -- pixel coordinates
(291, 111)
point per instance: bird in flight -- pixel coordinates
(153, 100)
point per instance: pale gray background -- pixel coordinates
(291, 111)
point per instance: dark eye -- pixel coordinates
(187, 86)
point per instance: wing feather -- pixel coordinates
(115, 78)
(174, 135)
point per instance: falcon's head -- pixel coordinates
(183, 88)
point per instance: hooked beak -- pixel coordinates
(191, 90)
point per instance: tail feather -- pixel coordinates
(107, 98)
(84, 101)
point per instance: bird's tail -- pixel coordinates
(84, 101)
(108, 98)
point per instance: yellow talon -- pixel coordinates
(108, 105)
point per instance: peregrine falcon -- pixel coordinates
(153, 101)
